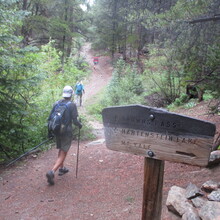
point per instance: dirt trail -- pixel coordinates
(109, 184)
(100, 74)
(99, 78)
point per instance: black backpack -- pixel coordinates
(57, 123)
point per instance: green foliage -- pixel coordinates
(212, 71)
(76, 67)
(57, 79)
(125, 87)
(96, 105)
(110, 25)
(50, 58)
(163, 74)
(96, 110)
(208, 95)
(195, 47)
(190, 104)
(181, 100)
(59, 27)
(178, 13)
(63, 21)
(19, 85)
(85, 132)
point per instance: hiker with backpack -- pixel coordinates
(63, 114)
(79, 91)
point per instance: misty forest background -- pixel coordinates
(158, 48)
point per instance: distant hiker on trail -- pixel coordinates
(79, 91)
(60, 120)
(95, 61)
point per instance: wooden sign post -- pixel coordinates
(158, 135)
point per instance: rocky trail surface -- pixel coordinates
(109, 184)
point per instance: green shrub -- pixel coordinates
(190, 104)
(125, 87)
(181, 100)
(163, 74)
(85, 132)
(96, 110)
(208, 95)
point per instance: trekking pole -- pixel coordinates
(18, 158)
(77, 155)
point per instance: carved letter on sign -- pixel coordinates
(158, 134)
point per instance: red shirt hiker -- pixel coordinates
(95, 60)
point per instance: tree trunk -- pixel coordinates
(114, 26)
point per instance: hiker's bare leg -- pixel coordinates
(60, 160)
(80, 99)
(61, 165)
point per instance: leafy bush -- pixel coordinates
(190, 104)
(181, 100)
(85, 132)
(208, 95)
(95, 110)
(96, 105)
(163, 74)
(20, 80)
(125, 87)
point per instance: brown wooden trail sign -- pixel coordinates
(157, 134)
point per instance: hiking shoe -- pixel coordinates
(62, 171)
(50, 177)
